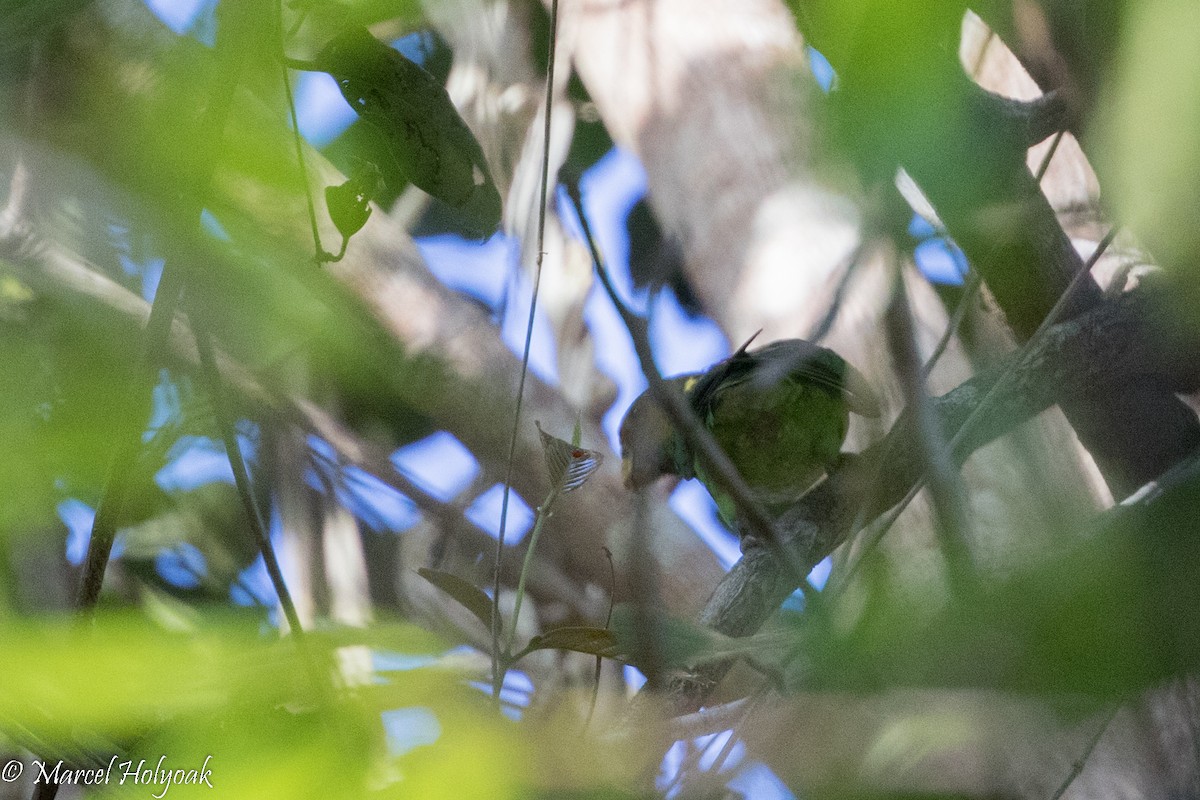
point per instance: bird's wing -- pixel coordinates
(799, 360)
(788, 359)
(703, 390)
(802, 362)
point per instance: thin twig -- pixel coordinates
(612, 591)
(497, 677)
(122, 471)
(1077, 767)
(241, 478)
(696, 754)
(971, 289)
(320, 254)
(1045, 165)
(847, 268)
(1050, 319)
(951, 520)
(545, 510)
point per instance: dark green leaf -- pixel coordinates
(680, 644)
(348, 206)
(470, 596)
(430, 142)
(592, 641)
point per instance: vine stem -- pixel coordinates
(1078, 765)
(497, 674)
(320, 255)
(543, 513)
(241, 478)
(110, 511)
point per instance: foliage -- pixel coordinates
(141, 163)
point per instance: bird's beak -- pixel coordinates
(627, 471)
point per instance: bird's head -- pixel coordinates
(650, 448)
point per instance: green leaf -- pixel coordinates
(469, 596)
(680, 644)
(430, 142)
(349, 203)
(592, 641)
(1145, 145)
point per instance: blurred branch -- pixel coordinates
(424, 351)
(111, 509)
(996, 212)
(947, 493)
(53, 269)
(967, 150)
(1078, 764)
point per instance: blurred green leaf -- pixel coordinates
(349, 202)
(62, 370)
(119, 675)
(1112, 616)
(469, 596)
(592, 641)
(359, 12)
(679, 643)
(1148, 151)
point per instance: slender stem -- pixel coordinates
(241, 477)
(612, 588)
(948, 498)
(848, 267)
(543, 513)
(736, 732)
(110, 512)
(1077, 767)
(1049, 320)
(284, 63)
(986, 401)
(497, 676)
(971, 289)
(1045, 164)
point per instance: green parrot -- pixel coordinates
(779, 412)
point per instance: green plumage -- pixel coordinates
(780, 413)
